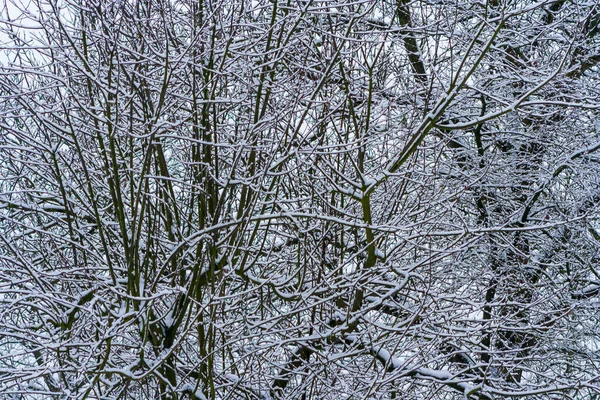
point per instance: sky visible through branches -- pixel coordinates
(299, 199)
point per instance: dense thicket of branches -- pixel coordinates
(299, 199)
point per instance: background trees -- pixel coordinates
(288, 200)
